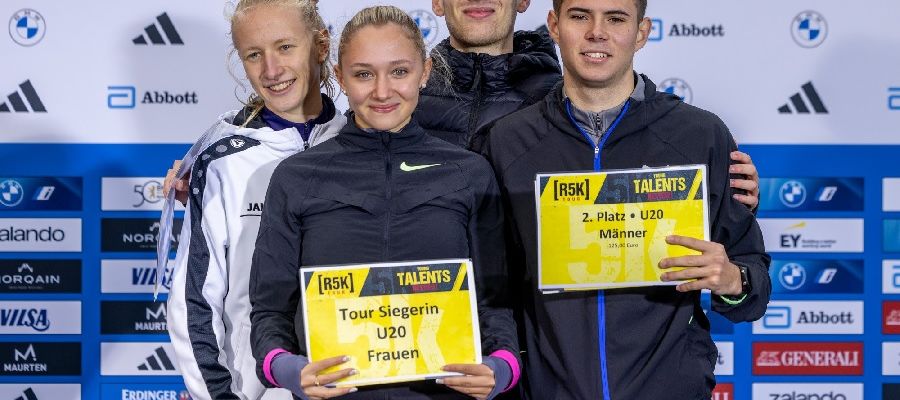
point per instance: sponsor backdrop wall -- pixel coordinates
(97, 99)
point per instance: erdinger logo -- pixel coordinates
(792, 193)
(33, 318)
(792, 276)
(427, 23)
(809, 29)
(149, 192)
(129, 394)
(27, 27)
(11, 193)
(679, 88)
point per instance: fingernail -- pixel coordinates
(345, 359)
(354, 371)
(439, 381)
(352, 390)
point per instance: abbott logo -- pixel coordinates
(18, 104)
(120, 97)
(811, 317)
(153, 34)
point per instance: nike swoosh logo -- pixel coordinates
(409, 168)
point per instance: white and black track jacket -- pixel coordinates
(208, 306)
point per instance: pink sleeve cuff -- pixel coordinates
(267, 365)
(510, 359)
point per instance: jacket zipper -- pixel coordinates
(308, 141)
(601, 295)
(386, 141)
(476, 106)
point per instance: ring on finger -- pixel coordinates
(316, 381)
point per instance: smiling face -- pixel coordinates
(598, 39)
(479, 23)
(382, 76)
(280, 58)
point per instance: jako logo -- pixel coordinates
(155, 36)
(124, 97)
(809, 29)
(34, 318)
(427, 23)
(158, 361)
(18, 103)
(27, 27)
(800, 107)
(657, 29)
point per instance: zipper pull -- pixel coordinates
(305, 145)
(596, 151)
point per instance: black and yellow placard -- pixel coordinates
(396, 321)
(605, 230)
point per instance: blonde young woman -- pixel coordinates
(283, 47)
(350, 201)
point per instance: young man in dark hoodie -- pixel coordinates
(639, 343)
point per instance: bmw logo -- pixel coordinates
(792, 194)
(27, 27)
(11, 193)
(679, 88)
(792, 276)
(809, 29)
(427, 24)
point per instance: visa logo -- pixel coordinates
(147, 277)
(34, 318)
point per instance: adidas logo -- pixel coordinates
(18, 103)
(152, 33)
(158, 361)
(27, 395)
(800, 106)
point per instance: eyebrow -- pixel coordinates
(395, 62)
(607, 12)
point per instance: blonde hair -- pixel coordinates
(380, 16)
(309, 13)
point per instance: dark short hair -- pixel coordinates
(640, 4)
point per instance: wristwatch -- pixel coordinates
(745, 280)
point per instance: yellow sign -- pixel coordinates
(396, 321)
(606, 230)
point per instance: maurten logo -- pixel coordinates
(158, 361)
(800, 106)
(28, 394)
(809, 29)
(18, 104)
(409, 168)
(27, 27)
(11, 193)
(154, 35)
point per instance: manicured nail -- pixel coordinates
(352, 390)
(439, 381)
(354, 371)
(345, 359)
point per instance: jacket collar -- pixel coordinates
(411, 134)
(641, 113)
(327, 114)
(533, 54)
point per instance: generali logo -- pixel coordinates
(890, 321)
(807, 358)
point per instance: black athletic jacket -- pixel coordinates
(485, 87)
(349, 201)
(643, 343)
